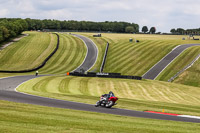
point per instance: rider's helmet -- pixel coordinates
(110, 93)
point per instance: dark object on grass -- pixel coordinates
(98, 35)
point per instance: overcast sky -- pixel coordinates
(162, 14)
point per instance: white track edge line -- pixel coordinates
(189, 116)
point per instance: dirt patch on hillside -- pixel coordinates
(14, 40)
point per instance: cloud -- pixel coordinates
(4, 12)
(159, 13)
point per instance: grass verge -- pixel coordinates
(19, 118)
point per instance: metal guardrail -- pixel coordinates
(185, 68)
(104, 58)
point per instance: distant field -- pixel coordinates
(132, 58)
(19, 118)
(28, 52)
(133, 94)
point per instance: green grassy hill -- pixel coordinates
(28, 52)
(70, 55)
(133, 94)
(31, 51)
(132, 58)
(179, 63)
(191, 76)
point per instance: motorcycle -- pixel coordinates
(107, 103)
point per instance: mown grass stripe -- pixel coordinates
(55, 62)
(74, 86)
(69, 56)
(61, 56)
(126, 60)
(22, 54)
(41, 85)
(66, 58)
(121, 62)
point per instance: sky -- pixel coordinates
(162, 14)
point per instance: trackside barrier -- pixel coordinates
(40, 66)
(105, 75)
(104, 58)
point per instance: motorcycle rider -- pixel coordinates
(104, 100)
(106, 96)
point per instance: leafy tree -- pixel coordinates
(129, 29)
(5, 32)
(173, 31)
(11, 27)
(1, 35)
(144, 29)
(180, 31)
(152, 30)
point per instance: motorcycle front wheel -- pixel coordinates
(97, 104)
(109, 104)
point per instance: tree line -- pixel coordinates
(181, 31)
(11, 27)
(107, 26)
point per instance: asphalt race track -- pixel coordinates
(92, 53)
(7, 92)
(164, 62)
